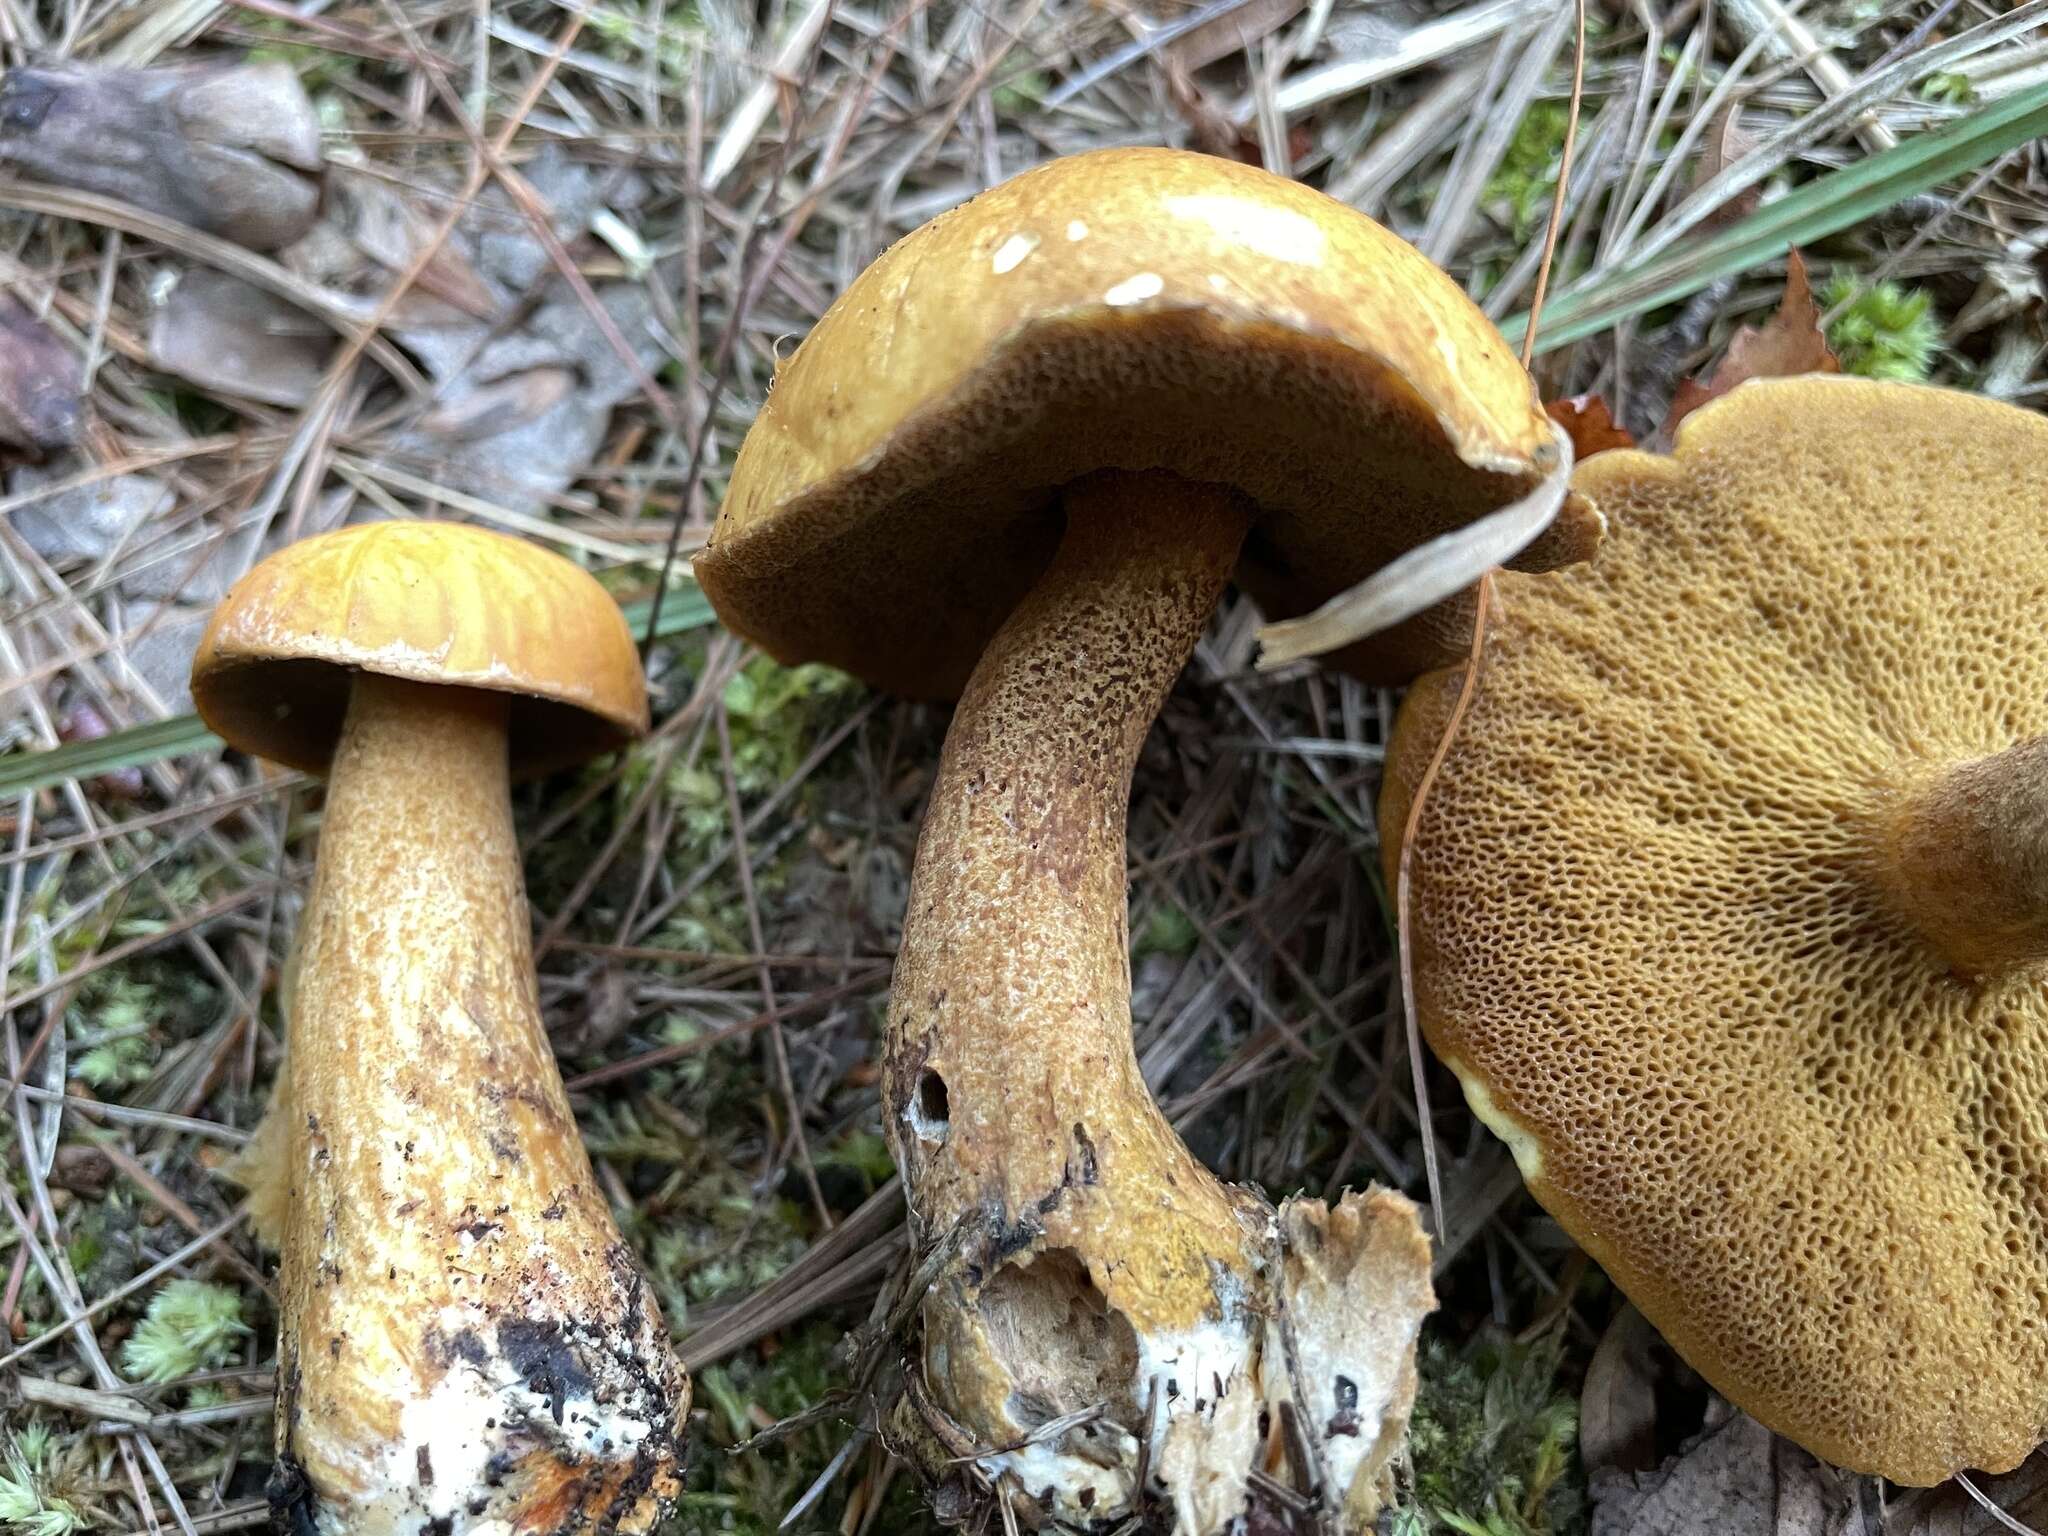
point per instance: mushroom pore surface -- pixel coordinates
(466, 1344)
(1727, 907)
(1099, 1266)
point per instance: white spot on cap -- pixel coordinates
(1279, 234)
(1136, 290)
(1011, 253)
(1076, 230)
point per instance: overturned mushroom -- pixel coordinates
(1730, 908)
(1031, 444)
(232, 149)
(466, 1344)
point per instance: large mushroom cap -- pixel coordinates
(432, 602)
(1127, 309)
(1655, 936)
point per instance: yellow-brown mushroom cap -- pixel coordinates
(432, 602)
(1655, 936)
(1127, 309)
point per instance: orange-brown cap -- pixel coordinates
(1667, 935)
(1127, 309)
(432, 602)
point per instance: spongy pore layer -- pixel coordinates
(1656, 934)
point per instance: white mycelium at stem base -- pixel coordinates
(1102, 1266)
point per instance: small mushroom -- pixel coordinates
(465, 1343)
(231, 149)
(1729, 908)
(1024, 452)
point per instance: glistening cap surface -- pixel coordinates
(1655, 936)
(433, 602)
(1127, 309)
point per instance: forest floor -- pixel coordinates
(651, 203)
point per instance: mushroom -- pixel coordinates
(1024, 453)
(465, 1343)
(1728, 908)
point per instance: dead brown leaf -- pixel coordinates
(1727, 143)
(233, 150)
(2022, 1495)
(1589, 424)
(1618, 1404)
(227, 335)
(1790, 342)
(40, 381)
(1735, 1479)
(1231, 33)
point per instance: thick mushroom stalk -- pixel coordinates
(1968, 860)
(465, 1342)
(1120, 1332)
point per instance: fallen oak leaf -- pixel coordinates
(1790, 342)
(1589, 424)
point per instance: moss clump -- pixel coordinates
(1494, 1442)
(1949, 88)
(29, 1502)
(189, 1326)
(1881, 330)
(749, 1494)
(1527, 177)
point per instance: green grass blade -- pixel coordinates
(132, 748)
(1822, 207)
(684, 609)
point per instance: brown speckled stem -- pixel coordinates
(1968, 860)
(464, 1337)
(1100, 1266)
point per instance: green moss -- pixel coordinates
(1949, 88)
(29, 1503)
(1527, 176)
(749, 1494)
(1168, 931)
(629, 37)
(1881, 330)
(865, 1153)
(1494, 1442)
(189, 1326)
(1022, 92)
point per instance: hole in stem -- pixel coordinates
(928, 1112)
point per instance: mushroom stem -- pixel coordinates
(465, 1342)
(1100, 1266)
(1968, 859)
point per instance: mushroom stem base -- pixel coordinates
(1967, 860)
(1113, 1331)
(465, 1345)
